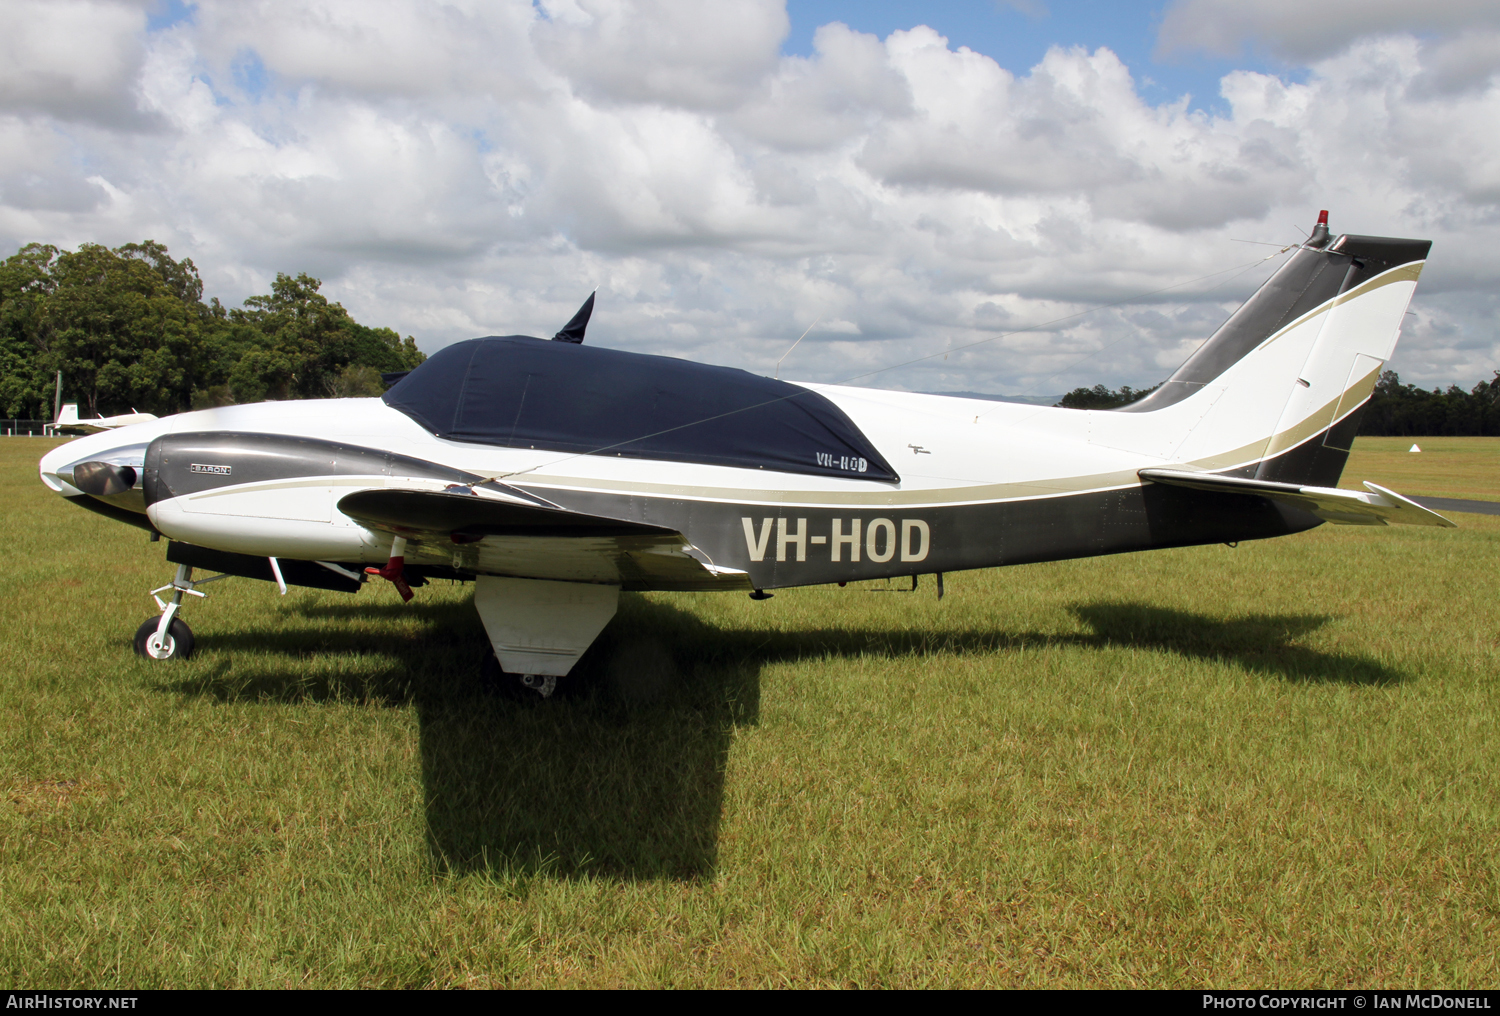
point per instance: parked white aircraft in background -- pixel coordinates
(67, 421)
(554, 475)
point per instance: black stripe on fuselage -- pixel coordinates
(985, 535)
(905, 541)
(897, 541)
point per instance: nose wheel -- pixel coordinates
(176, 643)
(167, 637)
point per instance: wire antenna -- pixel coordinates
(777, 372)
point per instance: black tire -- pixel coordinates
(179, 639)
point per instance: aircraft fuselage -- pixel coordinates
(981, 484)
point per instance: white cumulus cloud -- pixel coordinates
(472, 167)
(1301, 31)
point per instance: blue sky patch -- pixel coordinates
(1017, 36)
(250, 74)
(169, 13)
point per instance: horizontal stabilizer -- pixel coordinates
(1379, 507)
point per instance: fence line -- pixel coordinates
(24, 428)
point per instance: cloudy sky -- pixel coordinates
(1033, 195)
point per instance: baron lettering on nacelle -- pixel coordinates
(199, 467)
(880, 543)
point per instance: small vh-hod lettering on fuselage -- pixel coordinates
(877, 540)
(848, 463)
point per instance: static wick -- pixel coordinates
(777, 372)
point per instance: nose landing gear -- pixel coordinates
(168, 637)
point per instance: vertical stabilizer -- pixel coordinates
(1286, 378)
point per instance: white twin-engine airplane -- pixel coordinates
(554, 474)
(67, 421)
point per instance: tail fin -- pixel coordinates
(69, 413)
(1284, 381)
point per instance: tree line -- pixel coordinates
(129, 330)
(1100, 397)
(1394, 409)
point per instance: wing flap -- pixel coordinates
(1377, 507)
(472, 514)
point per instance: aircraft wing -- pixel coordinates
(495, 536)
(1379, 507)
(99, 424)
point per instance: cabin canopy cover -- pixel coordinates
(521, 392)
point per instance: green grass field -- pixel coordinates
(1263, 766)
(1466, 467)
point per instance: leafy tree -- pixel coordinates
(356, 381)
(308, 343)
(25, 283)
(125, 327)
(129, 329)
(1398, 410)
(1100, 397)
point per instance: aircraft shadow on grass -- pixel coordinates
(1260, 643)
(625, 776)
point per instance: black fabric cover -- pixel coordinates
(520, 392)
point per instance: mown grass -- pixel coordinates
(1465, 467)
(1270, 765)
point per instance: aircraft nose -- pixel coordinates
(108, 468)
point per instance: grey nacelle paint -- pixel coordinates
(256, 458)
